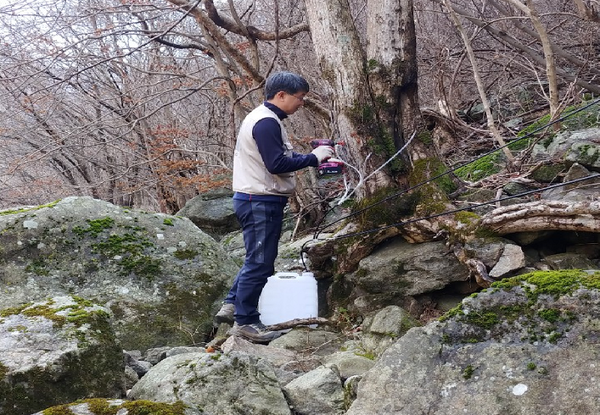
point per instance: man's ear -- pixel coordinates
(280, 95)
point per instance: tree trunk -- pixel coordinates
(392, 60)
(367, 114)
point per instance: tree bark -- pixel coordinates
(392, 59)
(342, 62)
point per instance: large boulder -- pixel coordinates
(212, 212)
(159, 274)
(397, 271)
(231, 384)
(319, 391)
(527, 345)
(55, 352)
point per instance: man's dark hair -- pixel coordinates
(288, 82)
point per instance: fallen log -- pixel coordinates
(299, 322)
(544, 215)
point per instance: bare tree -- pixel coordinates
(138, 102)
(480, 87)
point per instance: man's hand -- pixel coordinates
(323, 153)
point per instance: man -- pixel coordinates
(263, 180)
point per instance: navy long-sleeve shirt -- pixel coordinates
(267, 134)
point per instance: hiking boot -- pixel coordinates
(225, 314)
(256, 333)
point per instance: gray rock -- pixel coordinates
(160, 275)
(287, 364)
(156, 354)
(232, 384)
(348, 364)
(130, 378)
(511, 260)
(318, 342)
(568, 261)
(139, 366)
(276, 356)
(320, 391)
(527, 348)
(487, 250)
(382, 329)
(351, 389)
(212, 212)
(576, 192)
(183, 349)
(572, 146)
(57, 351)
(400, 269)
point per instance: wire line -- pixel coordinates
(390, 197)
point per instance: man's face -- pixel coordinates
(289, 103)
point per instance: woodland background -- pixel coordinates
(138, 102)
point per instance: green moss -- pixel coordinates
(468, 218)
(484, 319)
(372, 64)
(531, 366)
(552, 315)
(3, 371)
(104, 407)
(466, 224)
(92, 370)
(588, 154)
(168, 222)
(14, 310)
(425, 137)
(95, 227)
(547, 324)
(481, 168)
(456, 311)
(184, 305)
(29, 209)
(78, 315)
(38, 267)
(425, 169)
(553, 338)
(366, 354)
(130, 251)
(185, 254)
(574, 120)
(44, 310)
(379, 210)
(468, 372)
(58, 410)
(553, 283)
(364, 117)
(547, 173)
(432, 196)
(511, 313)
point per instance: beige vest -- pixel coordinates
(249, 172)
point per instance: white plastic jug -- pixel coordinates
(288, 295)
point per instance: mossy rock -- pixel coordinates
(548, 173)
(119, 407)
(160, 275)
(542, 306)
(57, 351)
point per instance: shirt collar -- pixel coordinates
(278, 111)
